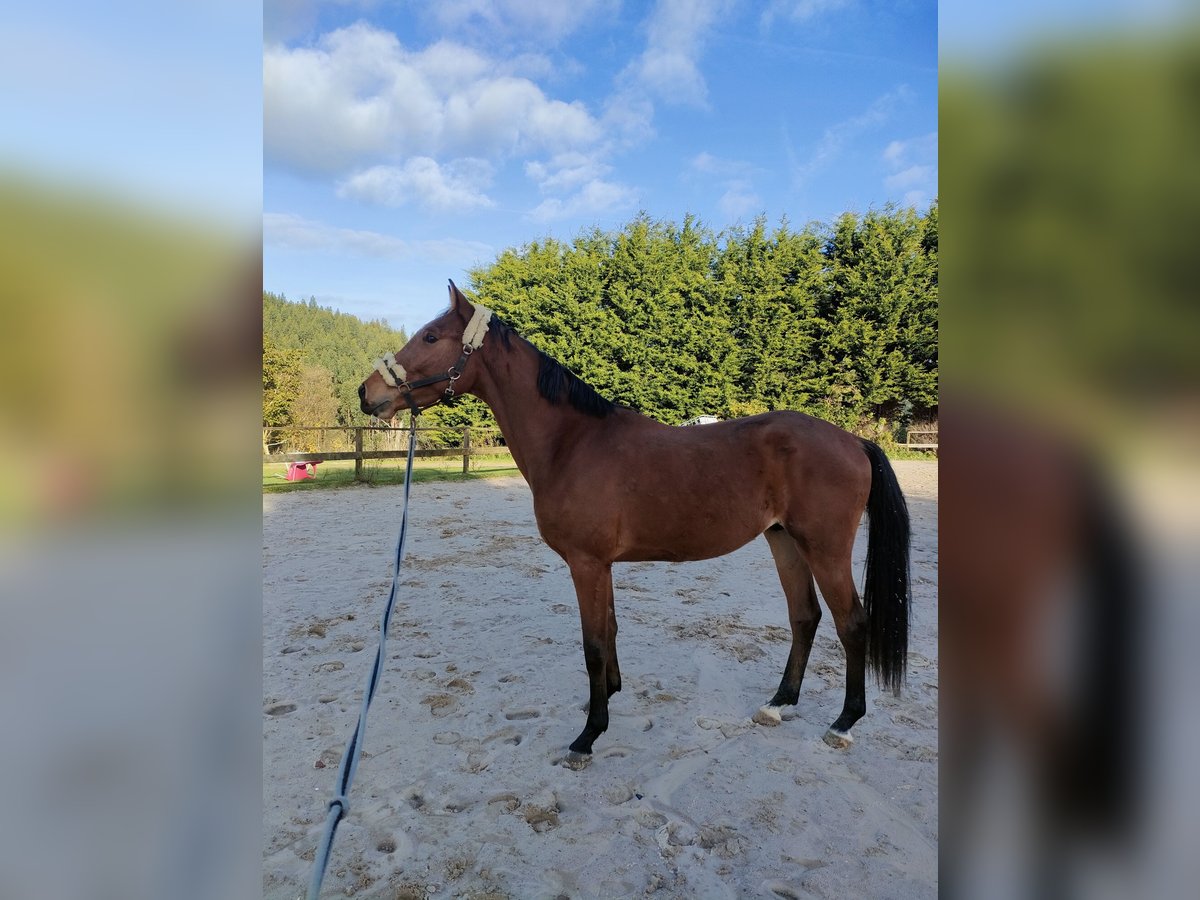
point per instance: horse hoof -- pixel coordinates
(839, 740)
(575, 760)
(768, 715)
(580, 746)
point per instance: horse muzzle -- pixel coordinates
(369, 408)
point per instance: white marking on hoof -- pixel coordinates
(839, 740)
(574, 760)
(769, 715)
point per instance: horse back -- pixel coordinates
(640, 490)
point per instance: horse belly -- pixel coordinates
(689, 537)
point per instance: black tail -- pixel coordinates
(886, 594)
(1093, 782)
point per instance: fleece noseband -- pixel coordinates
(393, 373)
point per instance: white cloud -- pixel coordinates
(628, 117)
(668, 68)
(566, 171)
(529, 65)
(458, 185)
(912, 169)
(909, 178)
(734, 177)
(578, 181)
(594, 198)
(800, 10)
(835, 138)
(549, 20)
(284, 20)
(292, 232)
(913, 150)
(674, 76)
(706, 164)
(359, 97)
(739, 200)
(510, 115)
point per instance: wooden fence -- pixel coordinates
(473, 443)
(921, 439)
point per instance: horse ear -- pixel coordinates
(459, 303)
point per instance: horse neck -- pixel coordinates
(536, 431)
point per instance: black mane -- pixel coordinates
(555, 381)
(501, 329)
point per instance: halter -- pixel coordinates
(393, 373)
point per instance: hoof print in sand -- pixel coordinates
(507, 735)
(506, 802)
(779, 889)
(616, 794)
(476, 762)
(414, 798)
(520, 715)
(439, 704)
(329, 757)
(650, 819)
(542, 818)
(727, 729)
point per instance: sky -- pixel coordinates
(406, 142)
(158, 104)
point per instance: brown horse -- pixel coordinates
(711, 489)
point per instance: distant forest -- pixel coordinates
(314, 359)
(676, 321)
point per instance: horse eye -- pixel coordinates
(430, 337)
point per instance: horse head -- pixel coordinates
(432, 366)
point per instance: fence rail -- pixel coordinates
(925, 442)
(469, 449)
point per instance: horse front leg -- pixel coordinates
(593, 589)
(612, 669)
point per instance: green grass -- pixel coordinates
(905, 453)
(340, 472)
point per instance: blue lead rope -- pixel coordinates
(340, 805)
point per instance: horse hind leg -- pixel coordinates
(836, 580)
(804, 613)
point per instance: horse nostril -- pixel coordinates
(362, 391)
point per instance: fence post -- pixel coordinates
(466, 451)
(358, 454)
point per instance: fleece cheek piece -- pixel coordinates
(392, 372)
(477, 327)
